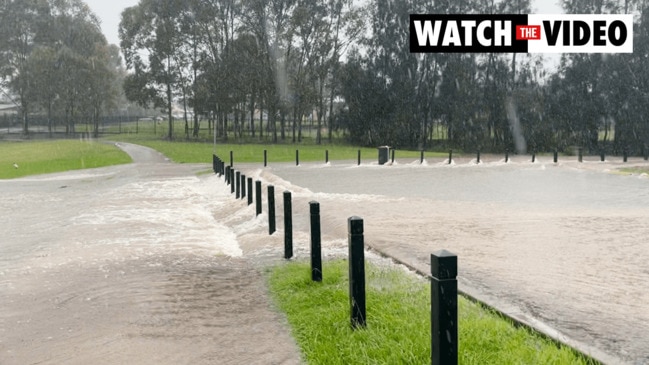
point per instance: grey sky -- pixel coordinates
(109, 13)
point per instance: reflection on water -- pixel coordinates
(563, 245)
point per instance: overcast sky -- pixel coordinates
(109, 13)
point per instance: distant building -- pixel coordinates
(8, 109)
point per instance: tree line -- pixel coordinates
(258, 69)
(55, 61)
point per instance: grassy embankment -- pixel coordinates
(398, 322)
(42, 157)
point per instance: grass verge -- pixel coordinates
(42, 157)
(398, 322)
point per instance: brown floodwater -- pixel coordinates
(128, 265)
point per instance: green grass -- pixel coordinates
(634, 170)
(398, 322)
(201, 152)
(42, 157)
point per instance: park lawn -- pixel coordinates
(42, 157)
(398, 321)
(201, 152)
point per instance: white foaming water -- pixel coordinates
(173, 213)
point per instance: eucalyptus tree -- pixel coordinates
(22, 22)
(150, 38)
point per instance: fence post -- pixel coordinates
(556, 156)
(533, 157)
(258, 196)
(393, 153)
(316, 251)
(450, 156)
(359, 157)
(326, 156)
(237, 183)
(645, 153)
(356, 272)
(288, 225)
(443, 296)
(249, 191)
(232, 183)
(581, 155)
(243, 186)
(214, 163)
(506, 156)
(271, 210)
(297, 157)
(227, 175)
(265, 158)
(625, 155)
(478, 157)
(421, 159)
(231, 159)
(602, 156)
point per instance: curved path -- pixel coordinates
(128, 265)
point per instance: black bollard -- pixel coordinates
(625, 155)
(231, 159)
(443, 296)
(297, 157)
(393, 153)
(214, 164)
(265, 158)
(556, 156)
(316, 254)
(507, 157)
(534, 157)
(227, 175)
(450, 156)
(421, 158)
(258, 197)
(237, 183)
(243, 186)
(602, 156)
(271, 210)
(580, 158)
(232, 182)
(326, 156)
(645, 153)
(288, 225)
(249, 191)
(478, 158)
(356, 272)
(359, 157)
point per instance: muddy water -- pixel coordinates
(129, 265)
(562, 247)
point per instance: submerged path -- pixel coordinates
(128, 265)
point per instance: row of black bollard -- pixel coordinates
(444, 330)
(221, 168)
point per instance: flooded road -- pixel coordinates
(128, 265)
(562, 247)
